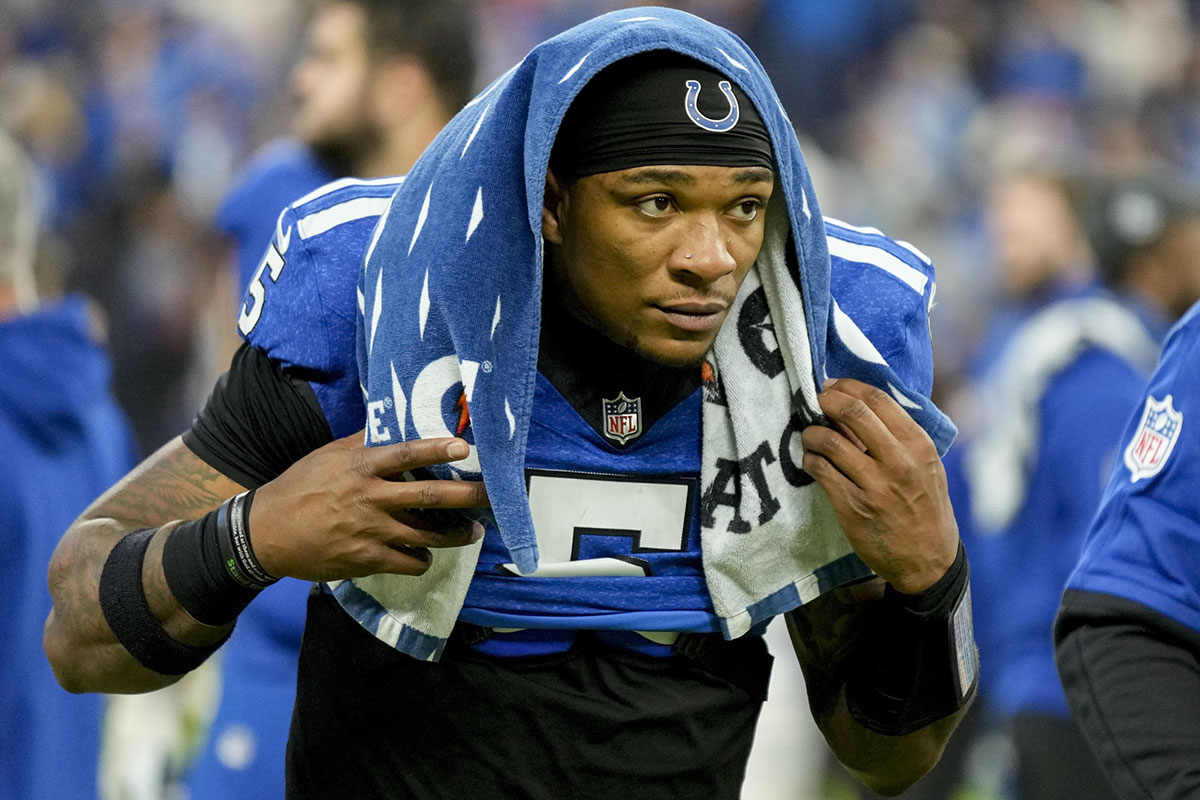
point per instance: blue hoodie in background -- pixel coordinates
(63, 441)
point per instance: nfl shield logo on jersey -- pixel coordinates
(1153, 440)
(622, 418)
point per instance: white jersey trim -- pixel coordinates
(359, 208)
(877, 257)
(876, 232)
(343, 183)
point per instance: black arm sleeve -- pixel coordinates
(258, 421)
(1132, 678)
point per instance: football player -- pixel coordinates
(616, 664)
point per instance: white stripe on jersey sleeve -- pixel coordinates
(854, 338)
(359, 208)
(878, 257)
(863, 229)
(342, 183)
(876, 232)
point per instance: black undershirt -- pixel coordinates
(259, 420)
(587, 368)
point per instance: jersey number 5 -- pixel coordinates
(655, 515)
(272, 264)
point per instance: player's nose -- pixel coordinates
(702, 254)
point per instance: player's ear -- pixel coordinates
(553, 204)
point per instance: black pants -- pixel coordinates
(1133, 682)
(1054, 762)
(590, 723)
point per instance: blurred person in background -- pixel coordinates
(63, 441)
(1041, 257)
(1053, 400)
(1128, 632)
(1040, 252)
(378, 81)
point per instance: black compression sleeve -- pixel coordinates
(258, 421)
(210, 565)
(920, 663)
(1132, 678)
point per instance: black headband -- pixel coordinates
(659, 108)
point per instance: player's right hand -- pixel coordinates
(345, 511)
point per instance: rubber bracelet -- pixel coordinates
(237, 553)
(210, 565)
(127, 612)
(921, 664)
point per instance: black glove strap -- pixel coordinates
(210, 565)
(921, 664)
(125, 608)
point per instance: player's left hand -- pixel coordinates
(887, 485)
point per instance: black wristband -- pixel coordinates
(127, 612)
(210, 565)
(921, 663)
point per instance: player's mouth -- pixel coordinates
(695, 316)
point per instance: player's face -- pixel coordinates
(653, 256)
(330, 85)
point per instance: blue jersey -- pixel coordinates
(1053, 403)
(281, 172)
(300, 303)
(64, 441)
(301, 306)
(617, 528)
(1145, 543)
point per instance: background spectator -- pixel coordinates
(63, 441)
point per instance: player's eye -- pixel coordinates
(746, 210)
(657, 206)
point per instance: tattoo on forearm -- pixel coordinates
(174, 484)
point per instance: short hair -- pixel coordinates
(18, 225)
(440, 33)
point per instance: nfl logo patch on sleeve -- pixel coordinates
(1153, 439)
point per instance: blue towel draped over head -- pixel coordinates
(451, 286)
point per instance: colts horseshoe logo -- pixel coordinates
(709, 124)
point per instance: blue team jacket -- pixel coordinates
(63, 441)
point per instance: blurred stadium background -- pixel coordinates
(138, 114)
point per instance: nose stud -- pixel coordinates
(687, 255)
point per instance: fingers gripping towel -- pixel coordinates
(449, 306)
(768, 532)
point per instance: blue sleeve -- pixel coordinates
(882, 291)
(1144, 542)
(282, 311)
(299, 308)
(890, 307)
